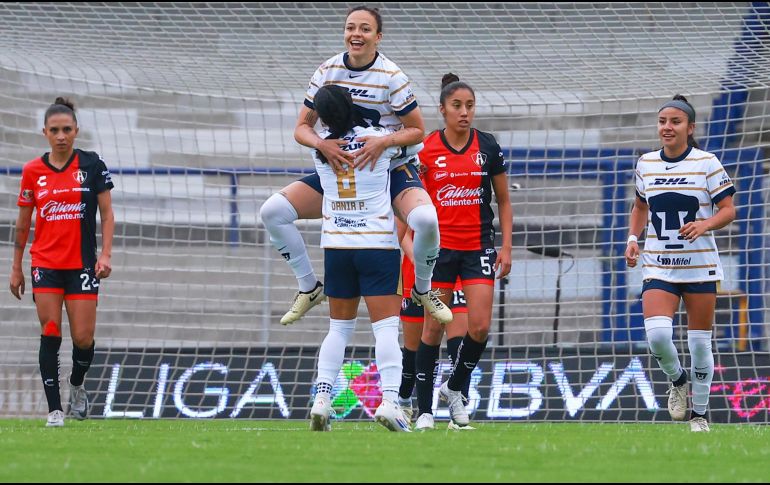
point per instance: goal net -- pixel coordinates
(193, 107)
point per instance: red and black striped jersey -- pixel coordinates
(66, 203)
(460, 185)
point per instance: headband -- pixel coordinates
(681, 105)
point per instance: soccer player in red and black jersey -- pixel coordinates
(462, 166)
(66, 186)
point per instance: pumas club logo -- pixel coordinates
(80, 177)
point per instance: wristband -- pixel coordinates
(631, 239)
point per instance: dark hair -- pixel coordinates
(335, 107)
(60, 105)
(690, 139)
(372, 10)
(451, 83)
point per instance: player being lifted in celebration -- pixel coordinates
(677, 188)
(462, 168)
(361, 258)
(66, 186)
(383, 98)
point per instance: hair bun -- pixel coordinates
(449, 78)
(679, 97)
(65, 102)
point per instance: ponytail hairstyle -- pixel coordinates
(335, 107)
(680, 102)
(451, 83)
(60, 106)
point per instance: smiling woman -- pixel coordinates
(676, 190)
(383, 98)
(66, 186)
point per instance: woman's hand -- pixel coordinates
(103, 267)
(371, 151)
(632, 254)
(17, 283)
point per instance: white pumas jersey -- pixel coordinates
(679, 191)
(356, 208)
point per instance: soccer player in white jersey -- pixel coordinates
(677, 188)
(383, 98)
(361, 258)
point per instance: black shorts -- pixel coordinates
(413, 313)
(401, 178)
(679, 288)
(74, 284)
(472, 267)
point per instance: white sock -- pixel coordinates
(702, 372)
(387, 353)
(278, 216)
(332, 352)
(424, 222)
(660, 337)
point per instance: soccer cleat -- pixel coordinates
(389, 415)
(677, 401)
(78, 402)
(406, 408)
(456, 403)
(453, 427)
(55, 419)
(699, 425)
(431, 302)
(303, 302)
(425, 422)
(320, 415)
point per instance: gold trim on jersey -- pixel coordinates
(660, 160)
(682, 251)
(315, 85)
(669, 174)
(671, 189)
(655, 236)
(715, 172)
(362, 85)
(356, 100)
(703, 266)
(338, 66)
(720, 188)
(399, 89)
(398, 107)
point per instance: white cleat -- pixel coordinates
(406, 408)
(456, 403)
(699, 425)
(677, 401)
(390, 416)
(55, 419)
(453, 427)
(431, 302)
(303, 302)
(425, 422)
(78, 402)
(320, 415)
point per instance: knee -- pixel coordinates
(479, 333)
(660, 331)
(277, 210)
(83, 340)
(423, 219)
(432, 333)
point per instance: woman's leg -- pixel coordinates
(49, 313)
(700, 317)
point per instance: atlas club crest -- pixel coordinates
(80, 177)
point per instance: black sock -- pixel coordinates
(682, 379)
(49, 370)
(427, 368)
(409, 365)
(81, 362)
(694, 415)
(452, 346)
(469, 355)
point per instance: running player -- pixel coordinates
(361, 258)
(677, 188)
(383, 98)
(66, 186)
(463, 166)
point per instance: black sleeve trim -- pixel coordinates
(640, 197)
(727, 192)
(406, 110)
(309, 104)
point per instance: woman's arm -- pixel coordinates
(103, 264)
(23, 225)
(505, 211)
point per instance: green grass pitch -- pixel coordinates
(259, 451)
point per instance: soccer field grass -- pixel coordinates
(240, 451)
